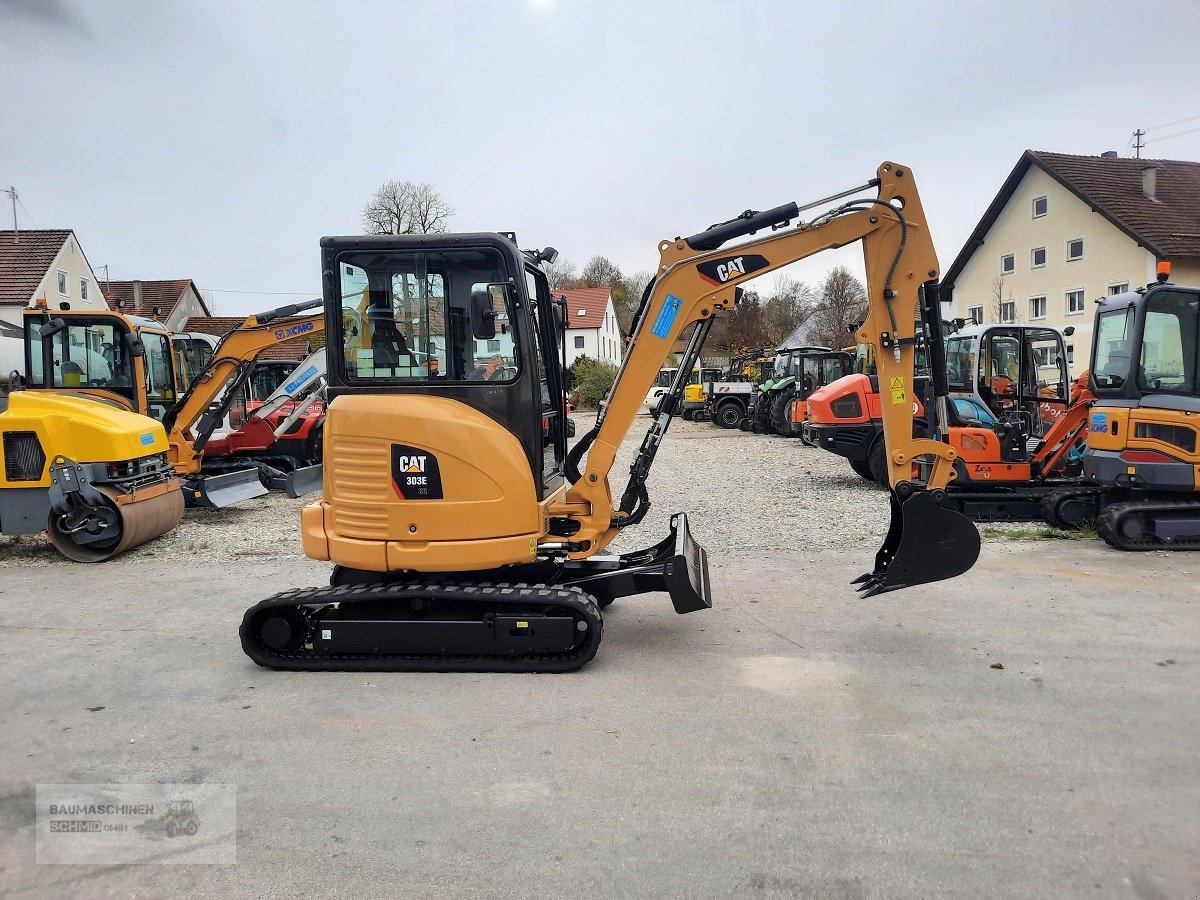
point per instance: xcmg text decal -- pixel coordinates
(283, 333)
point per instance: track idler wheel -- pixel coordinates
(926, 541)
(96, 533)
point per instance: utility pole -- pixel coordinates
(1137, 143)
(12, 193)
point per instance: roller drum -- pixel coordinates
(138, 521)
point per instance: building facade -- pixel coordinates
(44, 267)
(1065, 230)
(592, 327)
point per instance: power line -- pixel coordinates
(261, 293)
(1169, 136)
(1171, 124)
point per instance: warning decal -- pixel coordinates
(898, 393)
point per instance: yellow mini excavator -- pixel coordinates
(132, 363)
(465, 537)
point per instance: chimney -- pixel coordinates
(137, 295)
(1150, 183)
(1109, 154)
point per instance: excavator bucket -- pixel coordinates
(925, 542)
(304, 481)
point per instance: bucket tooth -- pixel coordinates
(925, 542)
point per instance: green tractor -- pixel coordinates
(778, 403)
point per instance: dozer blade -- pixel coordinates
(925, 542)
(304, 481)
(676, 564)
(226, 489)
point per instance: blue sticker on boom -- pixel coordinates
(666, 316)
(147, 439)
(296, 382)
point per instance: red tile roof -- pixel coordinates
(593, 302)
(24, 262)
(1112, 186)
(163, 295)
(295, 349)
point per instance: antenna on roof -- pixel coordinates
(1137, 143)
(12, 193)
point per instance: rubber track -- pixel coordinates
(518, 597)
(1050, 503)
(1108, 524)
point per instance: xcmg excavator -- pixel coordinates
(464, 535)
(1143, 446)
(131, 363)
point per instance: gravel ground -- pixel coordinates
(742, 492)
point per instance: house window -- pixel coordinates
(1074, 249)
(1008, 311)
(1037, 259)
(82, 288)
(1037, 307)
(493, 346)
(1070, 354)
(1008, 264)
(62, 283)
(582, 312)
(579, 342)
(1118, 287)
(1075, 302)
(1039, 207)
(976, 313)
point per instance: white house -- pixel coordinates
(1065, 230)
(44, 266)
(592, 328)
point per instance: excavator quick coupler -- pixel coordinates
(926, 541)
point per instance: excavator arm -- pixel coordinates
(191, 420)
(697, 277)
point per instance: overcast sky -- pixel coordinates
(221, 140)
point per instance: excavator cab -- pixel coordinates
(1143, 438)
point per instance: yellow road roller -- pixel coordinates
(95, 478)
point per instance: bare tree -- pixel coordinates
(788, 306)
(601, 271)
(841, 301)
(632, 288)
(998, 302)
(561, 275)
(406, 207)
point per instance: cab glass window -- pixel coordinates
(414, 317)
(1111, 362)
(82, 355)
(1169, 362)
(160, 379)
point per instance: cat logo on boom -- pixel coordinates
(730, 268)
(415, 473)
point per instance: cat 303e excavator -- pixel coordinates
(465, 537)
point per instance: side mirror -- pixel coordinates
(1069, 330)
(556, 313)
(134, 345)
(483, 317)
(53, 327)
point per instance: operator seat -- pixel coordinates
(388, 346)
